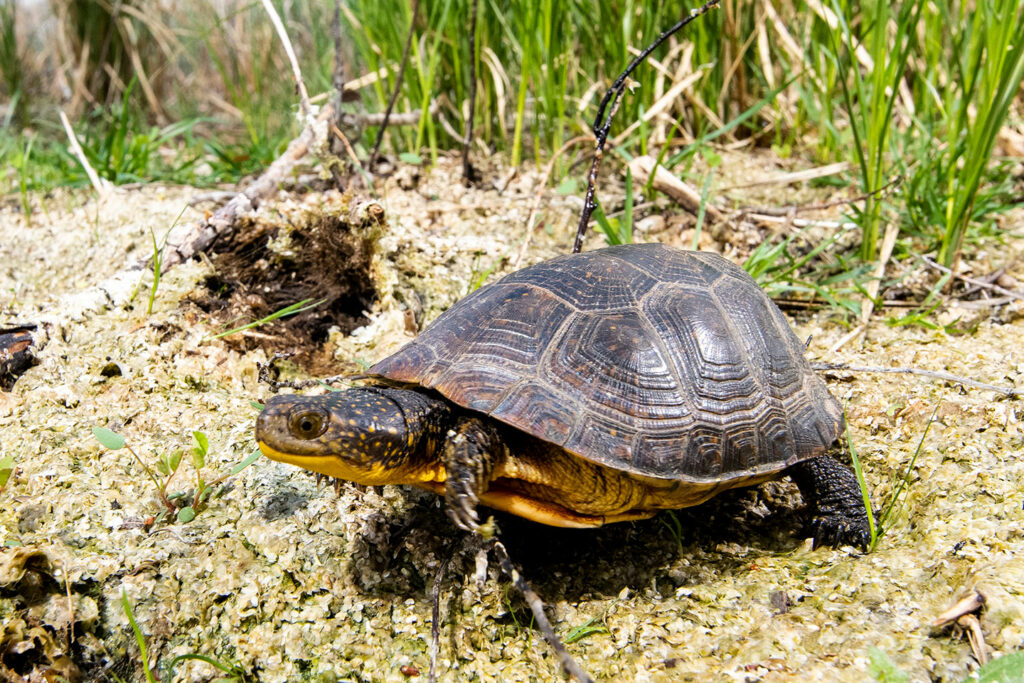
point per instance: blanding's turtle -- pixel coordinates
(590, 388)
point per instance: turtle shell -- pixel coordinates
(644, 358)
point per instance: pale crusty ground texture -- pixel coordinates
(297, 583)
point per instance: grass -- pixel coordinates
(900, 485)
(233, 672)
(297, 307)
(140, 639)
(871, 100)
(192, 93)
(591, 627)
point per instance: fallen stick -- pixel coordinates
(931, 374)
(972, 281)
(569, 665)
(689, 198)
(101, 185)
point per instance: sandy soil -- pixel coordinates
(298, 583)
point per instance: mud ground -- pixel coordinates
(298, 583)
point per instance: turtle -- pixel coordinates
(590, 388)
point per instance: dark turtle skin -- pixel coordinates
(588, 389)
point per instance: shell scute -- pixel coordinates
(643, 358)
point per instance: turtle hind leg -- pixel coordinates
(831, 490)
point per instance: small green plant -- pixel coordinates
(479, 276)
(875, 94)
(158, 259)
(168, 464)
(6, 470)
(1006, 669)
(298, 307)
(778, 271)
(989, 63)
(140, 639)
(703, 209)
(517, 627)
(903, 481)
(591, 627)
(879, 527)
(671, 522)
(234, 672)
(883, 669)
(859, 472)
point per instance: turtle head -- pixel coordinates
(367, 435)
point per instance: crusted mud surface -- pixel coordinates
(295, 582)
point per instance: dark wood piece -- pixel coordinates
(16, 354)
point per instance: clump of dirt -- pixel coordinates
(321, 253)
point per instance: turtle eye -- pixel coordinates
(308, 424)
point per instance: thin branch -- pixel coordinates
(794, 177)
(338, 75)
(972, 281)
(101, 185)
(346, 144)
(931, 374)
(569, 665)
(384, 119)
(435, 612)
(880, 192)
(800, 222)
(275, 19)
(610, 104)
(467, 170)
(398, 85)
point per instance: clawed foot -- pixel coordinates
(470, 452)
(462, 501)
(837, 529)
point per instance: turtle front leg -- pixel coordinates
(833, 494)
(471, 452)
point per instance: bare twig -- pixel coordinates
(282, 34)
(345, 143)
(398, 84)
(794, 177)
(867, 306)
(338, 75)
(610, 104)
(569, 665)
(688, 198)
(101, 185)
(931, 374)
(435, 613)
(848, 337)
(793, 209)
(408, 118)
(973, 281)
(799, 222)
(70, 635)
(467, 170)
